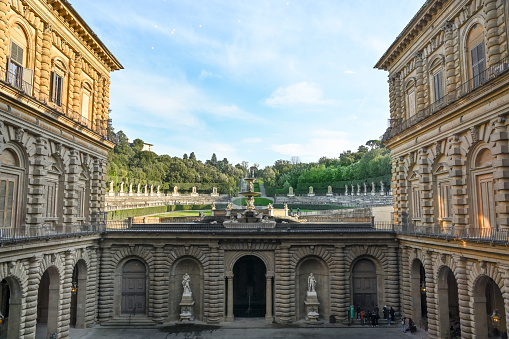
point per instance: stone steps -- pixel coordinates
(125, 322)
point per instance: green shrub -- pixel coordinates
(139, 212)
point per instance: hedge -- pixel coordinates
(311, 207)
(338, 186)
(139, 212)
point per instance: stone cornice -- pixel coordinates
(410, 32)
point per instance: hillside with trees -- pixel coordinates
(371, 163)
(127, 162)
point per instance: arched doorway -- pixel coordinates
(249, 284)
(134, 288)
(49, 294)
(448, 304)
(10, 307)
(193, 268)
(364, 283)
(79, 295)
(320, 270)
(419, 304)
(487, 299)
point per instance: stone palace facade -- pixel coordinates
(443, 262)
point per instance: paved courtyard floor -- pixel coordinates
(246, 330)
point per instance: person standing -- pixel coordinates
(403, 320)
(362, 318)
(391, 314)
(384, 310)
(358, 312)
(373, 318)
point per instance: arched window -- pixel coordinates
(11, 186)
(482, 171)
(436, 73)
(18, 74)
(58, 82)
(477, 56)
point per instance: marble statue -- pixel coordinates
(151, 189)
(365, 189)
(194, 189)
(158, 187)
(175, 190)
(329, 190)
(310, 189)
(111, 187)
(139, 189)
(346, 189)
(122, 187)
(251, 186)
(130, 187)
(230, 206)
(185, 283)
(311, 283)
(290, 191)
(213, 206)
(373, 188)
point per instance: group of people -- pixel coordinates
(373, 316)
(411, 325)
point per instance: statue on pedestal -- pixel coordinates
(185, 283)
(187, 303)
(311, 283)
(311, 302)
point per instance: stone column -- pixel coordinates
(339, 281)
(106, 303)
(92, 286)
(268, 297)
(502, 29)
(450, 70)
(283, 284)
(97, 192)
(160, 285)
(4, 31)
(431, 298)
(492, 36)
(402, 192)
(392, 96)
(45, 64)
(420, 82)
(76, 87)
(34, 278)
(504, 269)
(36, 188)
(65, 312)
(458, 187)
(229, 310)
(463, 297)
(392, 290)
(214, 285)
(406, 286)
(427, 218)
(500, 150)
(71, 196)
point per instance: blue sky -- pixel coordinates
(249, 80)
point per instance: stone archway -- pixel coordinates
(487, 298)
(10, 306)
(194, 269)
(48, 303)
(448, 302)
(79, 295)
(364, 284)
(134, 288)
(248, 289)
(418, 288)
(320, 270)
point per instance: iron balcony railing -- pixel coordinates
(27, 90)
(397, 126)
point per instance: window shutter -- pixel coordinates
(27, 80)
(16, 54)
(53, 86)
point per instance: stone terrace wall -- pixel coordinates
(118, 202)
(341, 200)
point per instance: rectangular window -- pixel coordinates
(85, 104)
(486, 201)
(80, 202)
(51, 210)
(411, 103)
(56, 89)
(7, 202)
(478, 64)
(416, 199)
(438, 87)
(445, 207)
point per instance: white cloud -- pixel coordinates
(349, 72)
(299, 93)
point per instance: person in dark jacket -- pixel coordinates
(391, 314)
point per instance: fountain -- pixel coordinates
(250, 194)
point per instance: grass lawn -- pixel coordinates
(181, 214)
(258, 202)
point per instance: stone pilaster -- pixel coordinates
(399, 95)
(34, 278)
(502, 29)
(339, 280)
(500, 150)
(107, 278)
(44, 86)
(161, 284)
(38, 57)
(36, 188)
(76, 87)
(426, 189)
(214, 285)
(431, 296)
(97, 192)
(392, 290)
(4, 31)
(282, 285)
(406, 286)
(392, 96)
(457, 64)
(420, 103)
(425, 81)
(504, 269)
(463, 297)
(71, 195)
(450, 69)
(92, 286)
(402, 218)
(458, 188)
(65, 310)
(492, 36)
(106, 104)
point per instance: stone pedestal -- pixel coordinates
(312, 304)
(187, 307)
